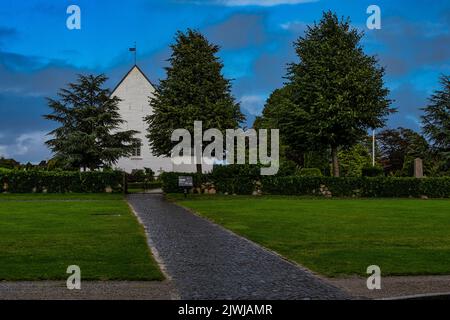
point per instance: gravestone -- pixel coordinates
(418, 168)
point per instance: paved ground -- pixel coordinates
(394, 287)
(206, 261)
(93, 290)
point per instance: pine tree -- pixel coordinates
(194, 90)
(88, 136)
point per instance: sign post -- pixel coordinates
(185, 182)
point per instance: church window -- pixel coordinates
(137, 149)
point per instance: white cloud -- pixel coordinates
(253, 104)
(3, 153)
(27, 147)
(296, 26)
(260, 3)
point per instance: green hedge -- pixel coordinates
(148, 185)
(310, 172)
(169, 181)
(239, 179)
(17, 181)
(235, 179)
(318, 186)
(370, 171)
(358, 186)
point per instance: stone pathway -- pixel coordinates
(205, 261)
(92, 290)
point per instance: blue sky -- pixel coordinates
(39, 55)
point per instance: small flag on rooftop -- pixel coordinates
(134, 50)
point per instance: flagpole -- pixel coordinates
(373, 148)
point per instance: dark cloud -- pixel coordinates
(24, 84)
(6, 34)
(238, 31)
(410, 45)
(408, 101)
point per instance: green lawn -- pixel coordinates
(41, 235)
(340, 237)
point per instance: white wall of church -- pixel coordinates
(134, 91)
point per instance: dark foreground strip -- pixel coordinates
(175, 309)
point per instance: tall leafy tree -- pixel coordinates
(337, 91)
(194, 90)
(275, 115)
(88, 135)
(399, 146)
(436, 121)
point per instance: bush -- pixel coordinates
(136, 175)
(310, 172)
(372, 171)
(232, 180)
(21, 181)
(235, 179)
(146, 185)
(358, 187)
(169, 181)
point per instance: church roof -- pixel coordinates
(126, 75)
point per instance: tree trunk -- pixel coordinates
(335, 161)
(199, 168)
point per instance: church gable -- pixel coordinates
(134, 77)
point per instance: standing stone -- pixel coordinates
(418, 168)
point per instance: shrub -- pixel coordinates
(147, 185)
(235, 179)
(310, 172)
(358, 187)
(169, 181)
(21, 181)
(136, 175)
(313, 185)
(372, 171)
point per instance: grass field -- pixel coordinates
(41, 235)
(340, 237)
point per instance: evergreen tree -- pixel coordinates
(88, 136)
(436, 121)
(194, 90)
(337, 91)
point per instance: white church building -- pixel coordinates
(135, 90)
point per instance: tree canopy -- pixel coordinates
(333, 95)
(436, 121)
(194, 90)
(89, 134)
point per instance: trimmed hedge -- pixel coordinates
(310, 172)
(169, 181)
(235, 179)
(148, 185)
(358, 186)
(438, 187)
(370, 171)
(18, 181)
(239, 179)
